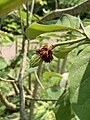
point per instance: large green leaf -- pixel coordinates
(79, 81)
(66, 20)
(87, 31)
(63, 109)
(36, 29)
(69, 20)
(8, 5)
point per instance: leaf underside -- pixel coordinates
(79, 81)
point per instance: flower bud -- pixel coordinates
(35, 60)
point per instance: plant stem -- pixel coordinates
(62, 70)
(2, 79)
(68, 42)
(39, 81)
(56, 4)
(32, 8)
(34, 93)
(14, 84)
(58, 66)
(15, 87)
(40, 99)
(8, 104)
(20, 83)
(29, 92)
(27, 18)
(85, 6)
(29, 81)
(28, 23)
(22, 70)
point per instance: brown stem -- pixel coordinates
(20, 83)
(8, 104)
(29, 92)
(15, 88)
(34, 93)
(14, 84)
(40, 99)
(39, 82)
(29, 21)
(85, 6)
(4, 80)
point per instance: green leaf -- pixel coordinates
(53, 93)
(36, 29)
(50, 74)
(54, 80)
(87, 31)
(86, 22)
(8, 5)
(63, 109)
(47, 36)
(69, 20)
(4, 73)
(79, 82)
(66, 20)
(3, 63)
(62, 51)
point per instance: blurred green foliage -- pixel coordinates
(11, 28)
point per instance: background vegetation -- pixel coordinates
(56, 90)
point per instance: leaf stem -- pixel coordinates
(68, 42)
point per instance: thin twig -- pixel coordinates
(82, 26)
(31, 11)
(40, 99)
(28, 23)
(14, 84)
(4, 80)
(15, 88)
(29, 92)
(8, 104)
(37, 78)
(27, 11)
(56, 4)
(21, 21)
(11, 77)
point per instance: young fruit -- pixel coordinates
(35, 60)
